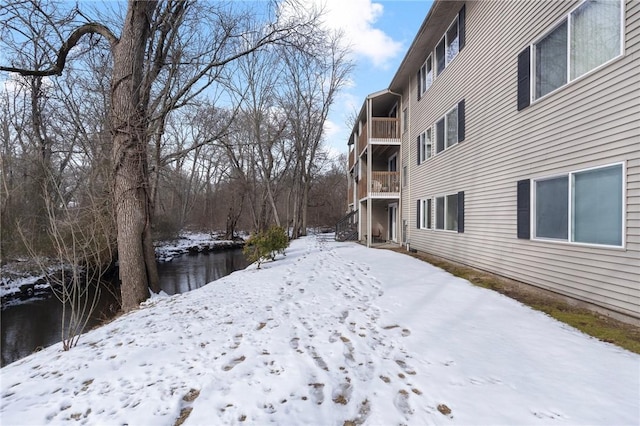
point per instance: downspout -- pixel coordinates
(369, 160)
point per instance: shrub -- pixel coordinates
(266, 245)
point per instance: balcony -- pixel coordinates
(386, 129)
(383, 185)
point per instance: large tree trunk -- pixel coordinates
(132, 198)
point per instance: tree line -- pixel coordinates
(142, 118)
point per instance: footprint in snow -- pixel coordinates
(316, 392)
(401, 401)
(233, 363)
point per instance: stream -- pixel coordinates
(36, 323)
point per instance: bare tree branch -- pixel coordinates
(72, 41)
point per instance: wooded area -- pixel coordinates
(134, 123)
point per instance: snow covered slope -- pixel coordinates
(333, 332)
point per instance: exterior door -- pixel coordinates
(393, 163)
(393, 222)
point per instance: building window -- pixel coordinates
(451, 125)
(424, 146)
(405, 120)
(405, 175)
(590, 35)
(450, 128)
(451, 43)
(426, 209)
(426, 75)
(581, 207)
(447, 212)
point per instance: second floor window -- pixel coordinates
(424, 146)
(450, 129)
(405, 120)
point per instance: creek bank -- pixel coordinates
(23, 279)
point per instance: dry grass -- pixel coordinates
(589, 322)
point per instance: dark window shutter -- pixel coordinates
(418, 86)
(418, 150)
(418, 215)
(462, 27)
(524, 209)
(461, 127)
(440, 57)
(461, 211)
(524, 78)
(440, 135)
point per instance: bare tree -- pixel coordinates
(141, 53)
(313, 80)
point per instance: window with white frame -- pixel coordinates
(405, 120)
(426, 210)
(449, 46)
(581, 207)
(447, 212)
(425, 75)
(450, 129)
(586, 38)
(451, 43)
(405, 175)
(424, 146)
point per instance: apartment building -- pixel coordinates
(509, 140)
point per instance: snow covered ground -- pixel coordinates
(332, 333)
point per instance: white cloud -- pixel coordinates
(357, 19)
(331, 129)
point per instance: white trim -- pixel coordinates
(446, 120)
(435, 212)
(455, 21)
(393, 229)
(556, 24)
(423, 209)
(569, 239)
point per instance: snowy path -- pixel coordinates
(332, 334)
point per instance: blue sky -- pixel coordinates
(381, 33)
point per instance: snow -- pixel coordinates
(23, 272)
(332, 332)
(189, 242)
(17, 274)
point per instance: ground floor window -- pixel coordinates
(426, 209)
(447, 212)
(582, 207)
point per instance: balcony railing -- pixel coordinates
(385, 128)
(362, 187)
(384, 183)
(351, 159)
(362, 140)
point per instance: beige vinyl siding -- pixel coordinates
(590, 122)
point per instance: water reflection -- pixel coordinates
(36, 324)
(193, 271)
(26, 327)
